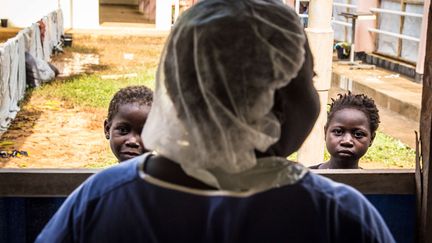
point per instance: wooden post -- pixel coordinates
(422, 45)
(425, 219)
(320, 35)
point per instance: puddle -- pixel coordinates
(77, 64)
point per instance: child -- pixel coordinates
(127, 114)
(350, 130)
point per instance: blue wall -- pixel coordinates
(21, 219)
(399, 212)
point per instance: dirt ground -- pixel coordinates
(56, 135)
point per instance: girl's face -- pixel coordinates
(348, 135)
(124, 131)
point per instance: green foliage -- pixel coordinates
(385, 152)
(390, 152)
(92, 90)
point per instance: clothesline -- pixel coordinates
(39, 40)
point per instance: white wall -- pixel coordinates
(81, 14)
(22, 13)
(129, 2)
(85, 14)
(66, 6)
(163, 14)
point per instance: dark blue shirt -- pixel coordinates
(122, 204)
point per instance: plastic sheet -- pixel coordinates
(12, 63)
(215, 88)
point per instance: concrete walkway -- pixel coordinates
(398, 98)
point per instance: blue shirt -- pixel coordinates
(123, 204)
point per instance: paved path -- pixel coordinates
(398, 98)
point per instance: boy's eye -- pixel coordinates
(359, 134)
(122, 130)
(337, 131)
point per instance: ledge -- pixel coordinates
(61, 182)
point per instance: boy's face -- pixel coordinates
(124, 131)
(348, 135)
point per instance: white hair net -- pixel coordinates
(216, 82)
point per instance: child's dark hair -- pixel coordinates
(140, 95)
(357, 101)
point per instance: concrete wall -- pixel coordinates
(163, 14)
(22, 13)
(76, 13)
(85, 14)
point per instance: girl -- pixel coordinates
(350, 130)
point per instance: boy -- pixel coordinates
(127, 114)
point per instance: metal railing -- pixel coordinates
(401, 36)
(380, 10)
(344, 5)
(400, 13)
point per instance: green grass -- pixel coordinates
(390, 152)
(91, 90)
(386, 151)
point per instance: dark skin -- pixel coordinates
(297, 102)
(124, 131)
(348, 137)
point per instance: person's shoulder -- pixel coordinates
(111, 178)
(348, 200)
(315, 166)
(350, 205)
(332, 189)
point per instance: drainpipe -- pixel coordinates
(320, 35)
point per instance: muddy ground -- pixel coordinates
(55, 134)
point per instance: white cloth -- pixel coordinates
(60, 24)
(12, 63)
(36, 44)
(46, 44)
(4, 86)
(215, 86)
(39, 71)
(21, 87)
(13, 78)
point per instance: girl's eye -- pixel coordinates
(337, 131)
(359, 134)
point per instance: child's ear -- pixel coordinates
(325, 132)
(372, 139)
(107, 126)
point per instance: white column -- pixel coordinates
(85, 14)
(66, 7)
(176, 9)
(320, 35)
(163, 14)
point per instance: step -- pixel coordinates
(390, 90)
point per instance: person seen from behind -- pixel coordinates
(234, 96)
(351, 127)
(127, 114)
